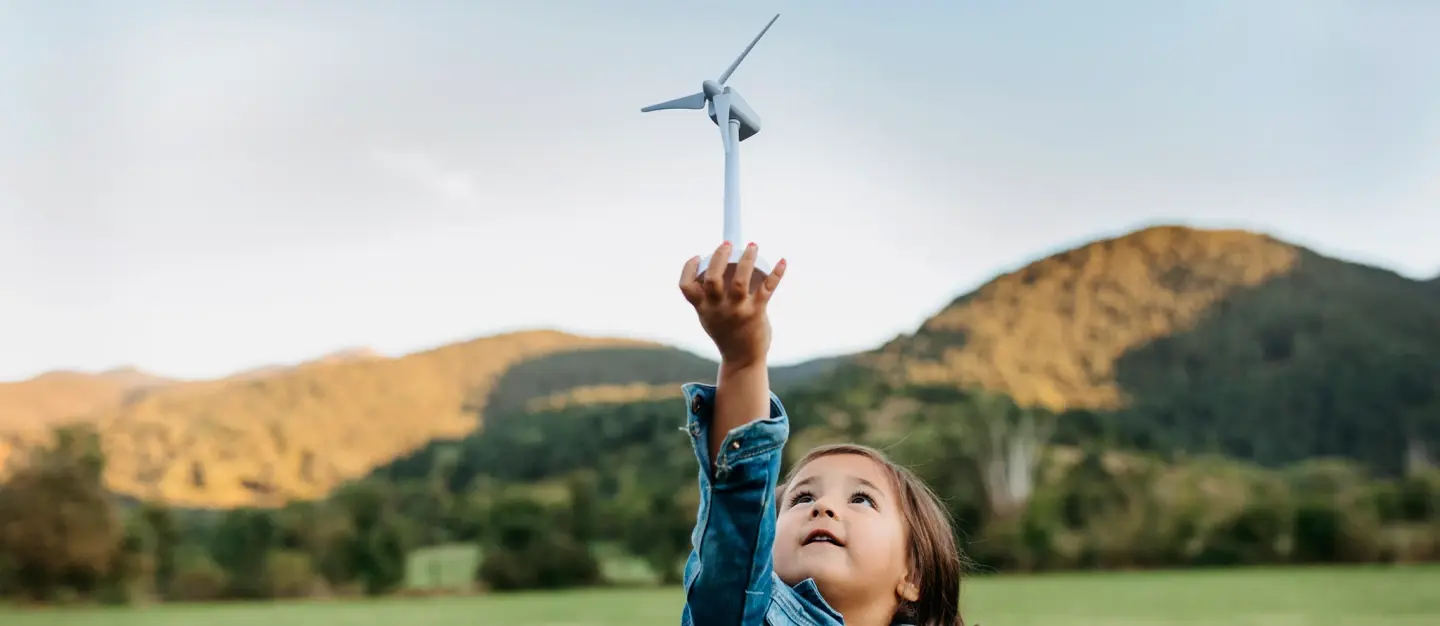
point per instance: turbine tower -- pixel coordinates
(737, 122)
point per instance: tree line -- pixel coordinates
(538, 493)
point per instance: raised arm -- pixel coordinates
(738, 429)
(728, 573)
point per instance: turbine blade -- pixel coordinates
(692, 101)
(731, 70)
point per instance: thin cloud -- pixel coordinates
(428, 173)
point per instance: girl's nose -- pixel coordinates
(821, 507)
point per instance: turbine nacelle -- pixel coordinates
(739, 110)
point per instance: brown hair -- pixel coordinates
(935, 558)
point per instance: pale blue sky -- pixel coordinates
(201, 187)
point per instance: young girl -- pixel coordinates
(849, 537)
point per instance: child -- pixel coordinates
(849, 538)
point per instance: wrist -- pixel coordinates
(739, 366)
(742, 395)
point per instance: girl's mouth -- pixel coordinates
(821, 536)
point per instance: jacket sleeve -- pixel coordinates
(728, 575)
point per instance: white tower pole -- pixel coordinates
(732, 186)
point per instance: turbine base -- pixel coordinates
(762, 268)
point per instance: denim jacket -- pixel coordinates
(729, 576)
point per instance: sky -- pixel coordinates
(198, 188)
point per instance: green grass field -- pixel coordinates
(1401, 596)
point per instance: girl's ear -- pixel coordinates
(908, 591)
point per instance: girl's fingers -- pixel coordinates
(772, 281)
(688, 283)
(715, 274)
(744, 272)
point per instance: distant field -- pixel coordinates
(1253, 597)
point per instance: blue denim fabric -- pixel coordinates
(729, 577)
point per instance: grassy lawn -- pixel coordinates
(1250, 597)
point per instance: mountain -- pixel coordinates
(52, 397)
(264, 436)
(1170, 339)
(1204, 341)
(1051, 333)
(42, 401)
(300, 431)
(339, 356)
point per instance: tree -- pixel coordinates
(243, 541)
(659, 531)
(1004, 441)
(58, 527)
(532, 547)
(377, 549)
(163, 536)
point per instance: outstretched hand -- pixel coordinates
(731, 302)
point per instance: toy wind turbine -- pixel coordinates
(737, 122)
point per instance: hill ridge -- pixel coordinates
(992, 325)
(1102, 327)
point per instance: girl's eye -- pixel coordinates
(800, 498)
(861, 497)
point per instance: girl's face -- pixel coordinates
(840, 523)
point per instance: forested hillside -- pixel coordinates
(1168, 341)
(1082, 409)
(615, 375)
(1201, 341)
(1165, 398)
(267, 436)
